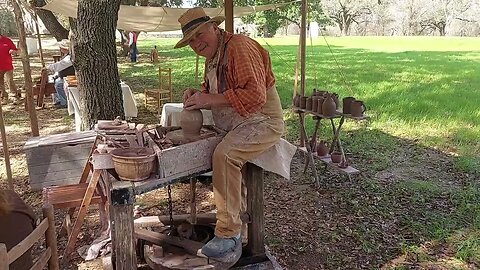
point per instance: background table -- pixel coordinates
(73, 103)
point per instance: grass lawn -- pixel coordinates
(422, 95)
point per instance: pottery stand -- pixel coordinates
(335, 143)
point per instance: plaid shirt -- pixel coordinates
(247, 73)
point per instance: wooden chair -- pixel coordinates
(164, 93)
(80, 196)
(43, 88)
(49, 256)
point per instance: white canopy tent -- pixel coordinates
(153, 19)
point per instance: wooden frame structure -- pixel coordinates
(48, 257)
(165, 92)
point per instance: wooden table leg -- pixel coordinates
(124, 255)
(309, 151)
(313, 141)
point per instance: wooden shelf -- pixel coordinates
(328, 161)
(337, 115)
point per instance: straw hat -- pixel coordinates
(64, 44)
(191, 21)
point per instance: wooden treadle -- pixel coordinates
(68, 196)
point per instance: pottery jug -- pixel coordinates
(303, 102)
(329, 107)
(346, 104)
(322, 148)
(357, 108)
(296, 101)
(308, 106)
(336, 157)
(315, 103)
(335, 99)
(191, 122)
(319, 104)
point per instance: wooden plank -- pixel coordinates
(81, 137)
(51, 237)
(55, 155)
(148, 221)
(22, 247)
(57, 167)
(42, 260)
(328, 161)
(3, 257)
(255, 207)
(102, 161)
(156, 238)
(61, 182)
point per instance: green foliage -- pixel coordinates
(7, 23)
(209, 3)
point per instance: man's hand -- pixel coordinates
(198, 100)
(187, 93)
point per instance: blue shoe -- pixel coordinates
(223, 248)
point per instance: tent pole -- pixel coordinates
(38, 36)
(5, 150)
(229, 16)
(303, 37)
(27, 71)
(295, 84)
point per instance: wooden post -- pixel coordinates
(124, 255)
(3, 257)
(27, 72)
(193, 201)
(229, 15)
(5, 150)
(255, 207)
(51, 237)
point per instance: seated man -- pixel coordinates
(17, 222)
(62, 69)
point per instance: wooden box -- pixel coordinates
(58, 159)
(186, 159)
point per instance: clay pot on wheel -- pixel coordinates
(191, 122)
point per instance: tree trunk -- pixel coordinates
(96, 61)
(50, 21)
(27, 72)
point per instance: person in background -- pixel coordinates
(132, 43)
(17, 221)
(7, 48)
(62, 69)
(240, 90)
(154, 54)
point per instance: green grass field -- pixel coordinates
(421, 88)
(421, 93)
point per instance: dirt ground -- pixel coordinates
(343, 224)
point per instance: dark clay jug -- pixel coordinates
(303, 102)
(296, 101)
(322, 148)
(347, 104)
(308, 106)
(329, 107)
(358, 108)
(319, 104)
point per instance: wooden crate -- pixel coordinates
(185, 159)
(58, 159)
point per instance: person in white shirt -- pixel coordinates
(62, 69)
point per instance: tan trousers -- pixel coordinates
(11, 84)
(241, 144)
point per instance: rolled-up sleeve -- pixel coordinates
(247, 72)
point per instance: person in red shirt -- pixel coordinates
(7, 48)
(240, 90)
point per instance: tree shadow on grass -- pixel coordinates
(409, 207)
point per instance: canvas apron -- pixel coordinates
(246, 139)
